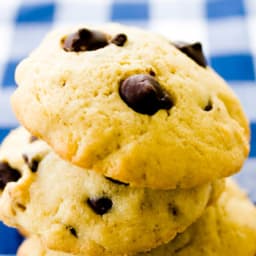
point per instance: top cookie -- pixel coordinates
(133, 106)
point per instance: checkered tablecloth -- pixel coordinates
(227, 29)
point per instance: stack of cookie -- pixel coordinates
(127, 142)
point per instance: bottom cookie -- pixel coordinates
(75, 210)
(227, 228)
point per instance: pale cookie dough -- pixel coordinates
(228, 228)
(130, 105)
(78, 210)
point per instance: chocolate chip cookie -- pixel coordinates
(78, 210)
(227, 228)
(132, 106)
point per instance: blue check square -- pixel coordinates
(3, 133)
(224, 8)
(253, 140)
(234, 67)
(8, 75)
(9, 239)
(35, 13)
(130, 11)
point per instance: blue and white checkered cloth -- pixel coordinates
(227, 29)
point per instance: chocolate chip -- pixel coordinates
(34, 165)
(31, 163)
(194, 51)
(21, 206)
(100, 205)
(208, 107)
(173, 209)
(144, 94)
(117, 181)
(72, 231)
(152, 73)
(85, 40)
(25, 158)
(32, 138)
(119, 39)
(7, 174)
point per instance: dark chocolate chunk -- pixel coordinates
(144, 94)
(85, 40)
(208, 107)
(117, 181)
(72, 231)
(7, 174)
(100, 205)
(32, 138)
(119, 39)
(32, 163)
(193, 51)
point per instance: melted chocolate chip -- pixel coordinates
(119, 39)
(117, 181)
(32, 138)
(100, 205)
(31, 163)
(144, 94)
(193, 51)
(7, 174)
(85, 40)
(72, 231)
